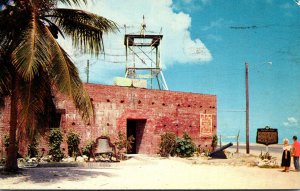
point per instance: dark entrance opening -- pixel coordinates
(135, 128)
(55, 120)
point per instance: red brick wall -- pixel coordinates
(4, 127)
(163, 111)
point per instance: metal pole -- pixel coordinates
(247, 111)
(237, 142)
(164, 81)
(126, 70)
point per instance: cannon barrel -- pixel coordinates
(220, 149)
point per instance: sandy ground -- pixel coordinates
(153, 172)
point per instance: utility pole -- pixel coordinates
(87, 71)
(247, 111)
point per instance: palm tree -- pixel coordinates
(33, 65)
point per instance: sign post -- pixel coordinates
(247, 111)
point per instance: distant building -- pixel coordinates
(144, 113)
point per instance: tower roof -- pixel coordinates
(142, 40)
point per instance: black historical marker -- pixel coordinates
(267, 136)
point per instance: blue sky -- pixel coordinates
(263, 33)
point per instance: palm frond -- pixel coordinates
(32, 96)
(75, 2)
(82, 102)
(86, 29)
(2, 101)
(4, 83)
(53, 28)
(32, 52)
(10, 28)
(5, 78)
(66, 78)
(79, 95)
(59, 68)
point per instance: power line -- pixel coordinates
(231, 110)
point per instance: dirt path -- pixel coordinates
(144, 172)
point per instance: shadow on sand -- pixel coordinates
(54, 174)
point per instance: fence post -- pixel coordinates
(237, 142)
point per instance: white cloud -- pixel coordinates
(190, 6)
(214, 24)
(177, 46)
(291, 122)
(216, 38)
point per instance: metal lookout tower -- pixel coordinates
(143, 58)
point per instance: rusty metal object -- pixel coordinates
(103, 146)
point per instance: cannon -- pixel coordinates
(219, 152)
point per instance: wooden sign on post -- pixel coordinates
(267, 136)
(205, 124)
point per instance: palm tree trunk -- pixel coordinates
(11, 162)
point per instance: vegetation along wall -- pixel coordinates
(143, 113)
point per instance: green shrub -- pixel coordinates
(124, 144)
(55, 139)
(214, 142)
(129, 142)
(2, 161)
(184, 146)
(33, 148)
(73, 141)
(120, 142)
(87, 149)
(167, 144)
(6, 141)
(6, 145)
